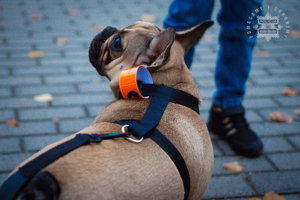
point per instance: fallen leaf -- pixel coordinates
(43, 98)
(73, 12)
(289, 92)
(34, 17)
(233, 167)
(62, 41)
(148, 18)
(295, 34)
(35, 54)
(263, 54)
(98, 28)
(271, 195)
(55, 120)
(280, 117)
(208, 38)
(297, 111)
(12, 122)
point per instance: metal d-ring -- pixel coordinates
(129, 138)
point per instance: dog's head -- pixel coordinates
(142, 43)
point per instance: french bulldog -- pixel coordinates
(117, 168)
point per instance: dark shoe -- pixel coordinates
(230, 124)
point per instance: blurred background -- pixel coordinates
(49, 90)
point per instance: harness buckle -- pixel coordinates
(129, 138)
(95, 138)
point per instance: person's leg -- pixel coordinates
(227, 115)
(184, 14)
(235, 53)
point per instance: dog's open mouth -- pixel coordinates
(95, 48)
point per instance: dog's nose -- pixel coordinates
(95, 47)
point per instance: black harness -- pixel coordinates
(140, 129)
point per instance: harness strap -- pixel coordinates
(178, 96)
(147, 127)
(11, 187)
(170, 149)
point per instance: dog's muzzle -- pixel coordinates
(95, 48)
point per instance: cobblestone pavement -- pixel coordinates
(79, 93)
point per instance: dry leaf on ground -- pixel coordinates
(73, 12)
(281, 117)
(34, 17)
(55, 120)
(271, 195)
(208, 38)
(289, 92)
(12, 122)
(148, 18)
(98, 28)
(35, 54)
(62, 41)
(263, 54)
(295, 34)
(43, 98)
(297, 111)
(233, 167)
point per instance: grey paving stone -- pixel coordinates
(286, 161)
(20, 81)
(295, 140)
(4, 92)
(259, 103)
(276, 80)
(83, 69)
(20, 102)
(276, 144)
(38, 142)
(94, 110)
(39, 70)
(34, 90)
(274, 129)
(8, 145)
(71, 79)
(249, 165)
(217, 151)
(294, 101)
(83, 99)
(72, 126)
(227, 186)
(264, 91)
(95, 87)
(6, 114)
(49, 113)
(285, 70)
(283, 182)
(28, 128)
(4, 72)
(10, 161)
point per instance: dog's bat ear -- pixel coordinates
(159, 47)
(191, 36)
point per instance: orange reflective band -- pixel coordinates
(128, 82)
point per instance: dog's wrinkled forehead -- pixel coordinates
(131, 32)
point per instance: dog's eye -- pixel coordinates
(116, 44)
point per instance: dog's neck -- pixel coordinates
(175, 74)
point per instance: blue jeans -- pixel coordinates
(235, 52)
